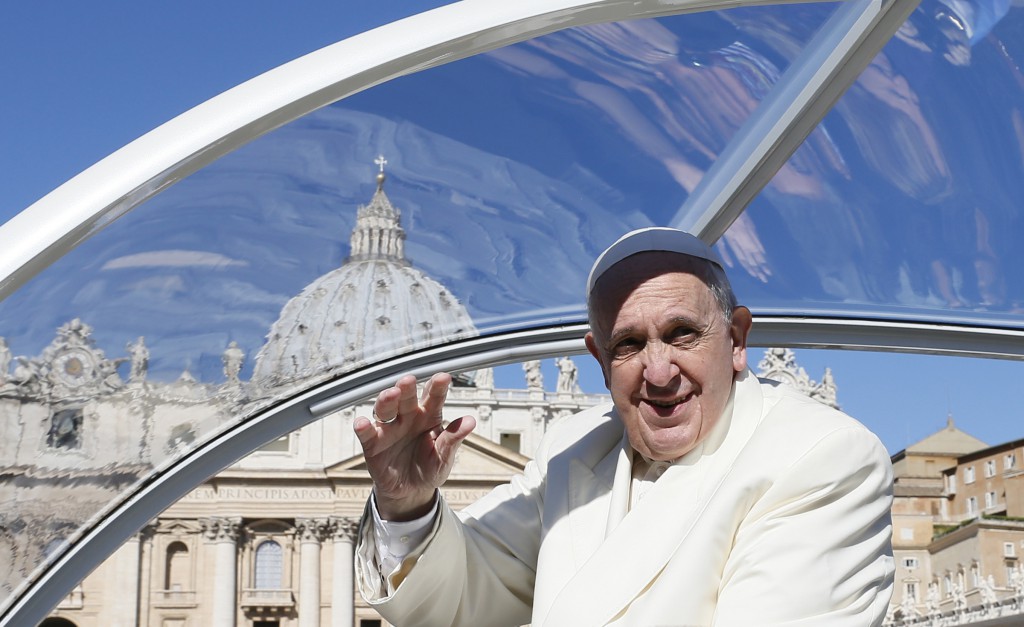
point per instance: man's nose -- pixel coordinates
(659, 367)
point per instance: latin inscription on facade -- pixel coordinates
(274, 494)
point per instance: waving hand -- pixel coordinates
(409, 452)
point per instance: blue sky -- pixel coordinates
(81, 80)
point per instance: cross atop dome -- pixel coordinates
(380, 161)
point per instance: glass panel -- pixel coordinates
(287, 263)
(905, 202)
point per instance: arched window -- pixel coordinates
(268, 566)
(176, 573)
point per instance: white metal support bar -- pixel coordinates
(888, 336)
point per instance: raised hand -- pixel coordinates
(409, 452)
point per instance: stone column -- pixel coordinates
(128, 560)
(310, 532)
(343, 531)
(145, 585)
(223, 533)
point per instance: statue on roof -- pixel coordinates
(932, 601)
(139, 356)
(484, 379)
(959, 597)
(908, 607)
(987, 587)
(534, 377)
(567, 374)
(5, 361)
(1017, 583)
(232, 359)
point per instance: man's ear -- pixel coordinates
(742, 320)
(591, 343)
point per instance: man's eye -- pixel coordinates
(682, 335)
(625, 347)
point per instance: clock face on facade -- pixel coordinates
(74, 368)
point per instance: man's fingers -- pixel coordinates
(408, 405)
(396, 410)
(387, 405)
(366, 432)
(449, 439)
(435, 393)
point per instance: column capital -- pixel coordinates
(146, 533)
(311, 529)
(221, 528)
(344, 528)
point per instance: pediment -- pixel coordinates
(178, 527)
(478, 458)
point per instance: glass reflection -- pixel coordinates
(283, 264)
(508, 173)
(914, 213)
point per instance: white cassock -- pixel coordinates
(781, 516)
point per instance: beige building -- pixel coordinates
(958, 532)
(260, 544)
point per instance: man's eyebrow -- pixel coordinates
(619, 334)
(690, 322)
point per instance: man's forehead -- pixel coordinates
(651, 273)
(667, 282)
(649, 240)
(625, 276)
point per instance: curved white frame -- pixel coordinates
(87, 203)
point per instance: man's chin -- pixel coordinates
(658, 447)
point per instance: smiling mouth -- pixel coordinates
(667, 404)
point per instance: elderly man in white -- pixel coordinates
(701, 496)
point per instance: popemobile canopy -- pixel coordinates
(432, 194)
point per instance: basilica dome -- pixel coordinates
(375, 305)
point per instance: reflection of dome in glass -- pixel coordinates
(373, 306)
